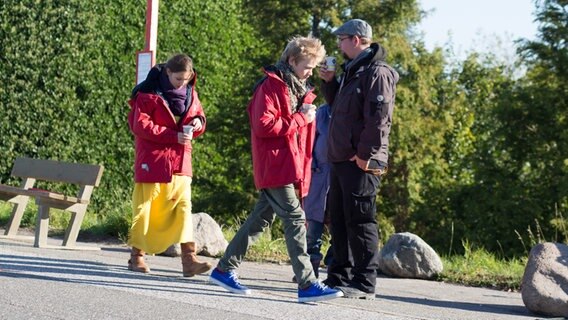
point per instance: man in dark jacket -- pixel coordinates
(362, 103)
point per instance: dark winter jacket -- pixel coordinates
(362, 107)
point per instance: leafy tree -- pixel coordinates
(476, 199)
(512, 186)
(536, 134)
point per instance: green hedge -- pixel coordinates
(67, 69)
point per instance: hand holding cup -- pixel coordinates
(327, 71)
(186, 136)
(330, 63)
(309, 110)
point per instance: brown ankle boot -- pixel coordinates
(136, 262)
(192, 266)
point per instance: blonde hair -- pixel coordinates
(300, 48)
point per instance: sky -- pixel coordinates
(473, 24)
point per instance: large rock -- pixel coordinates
(209, 239)
(173, 251)
(208, 235)
(545, 282)
(406, 255)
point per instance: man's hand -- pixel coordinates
(362, 164)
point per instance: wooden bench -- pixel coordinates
(86, 176)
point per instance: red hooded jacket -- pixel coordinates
(158, 153)
(282, 141)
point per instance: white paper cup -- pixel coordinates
(188, 130)
(307, 106)
(330, 63)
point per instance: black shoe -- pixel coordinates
(330, 283)
(354, 293)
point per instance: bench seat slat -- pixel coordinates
(35, 193)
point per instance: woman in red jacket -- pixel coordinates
(162, 106)
(281, 116)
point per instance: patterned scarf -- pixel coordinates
(297, 88)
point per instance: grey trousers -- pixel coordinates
(284, 203)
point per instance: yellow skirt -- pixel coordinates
(162, 215)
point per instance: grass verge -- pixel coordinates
(480, 268)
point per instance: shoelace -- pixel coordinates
(233, 276)
(320, 285)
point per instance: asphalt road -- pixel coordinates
(95, 284)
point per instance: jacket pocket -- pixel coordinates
(153, 165)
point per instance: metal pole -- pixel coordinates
(146, 59)
(152, 27)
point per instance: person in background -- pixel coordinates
(315, 201)
(281, 117)
(161, 106)
(362, 103)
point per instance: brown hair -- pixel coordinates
(365, 41)
(180, 63)
(299, 48)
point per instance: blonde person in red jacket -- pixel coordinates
(160, 108)
(281, 116)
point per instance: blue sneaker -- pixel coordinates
(229, 281)
(318, 291)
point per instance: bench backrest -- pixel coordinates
(58, 171)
